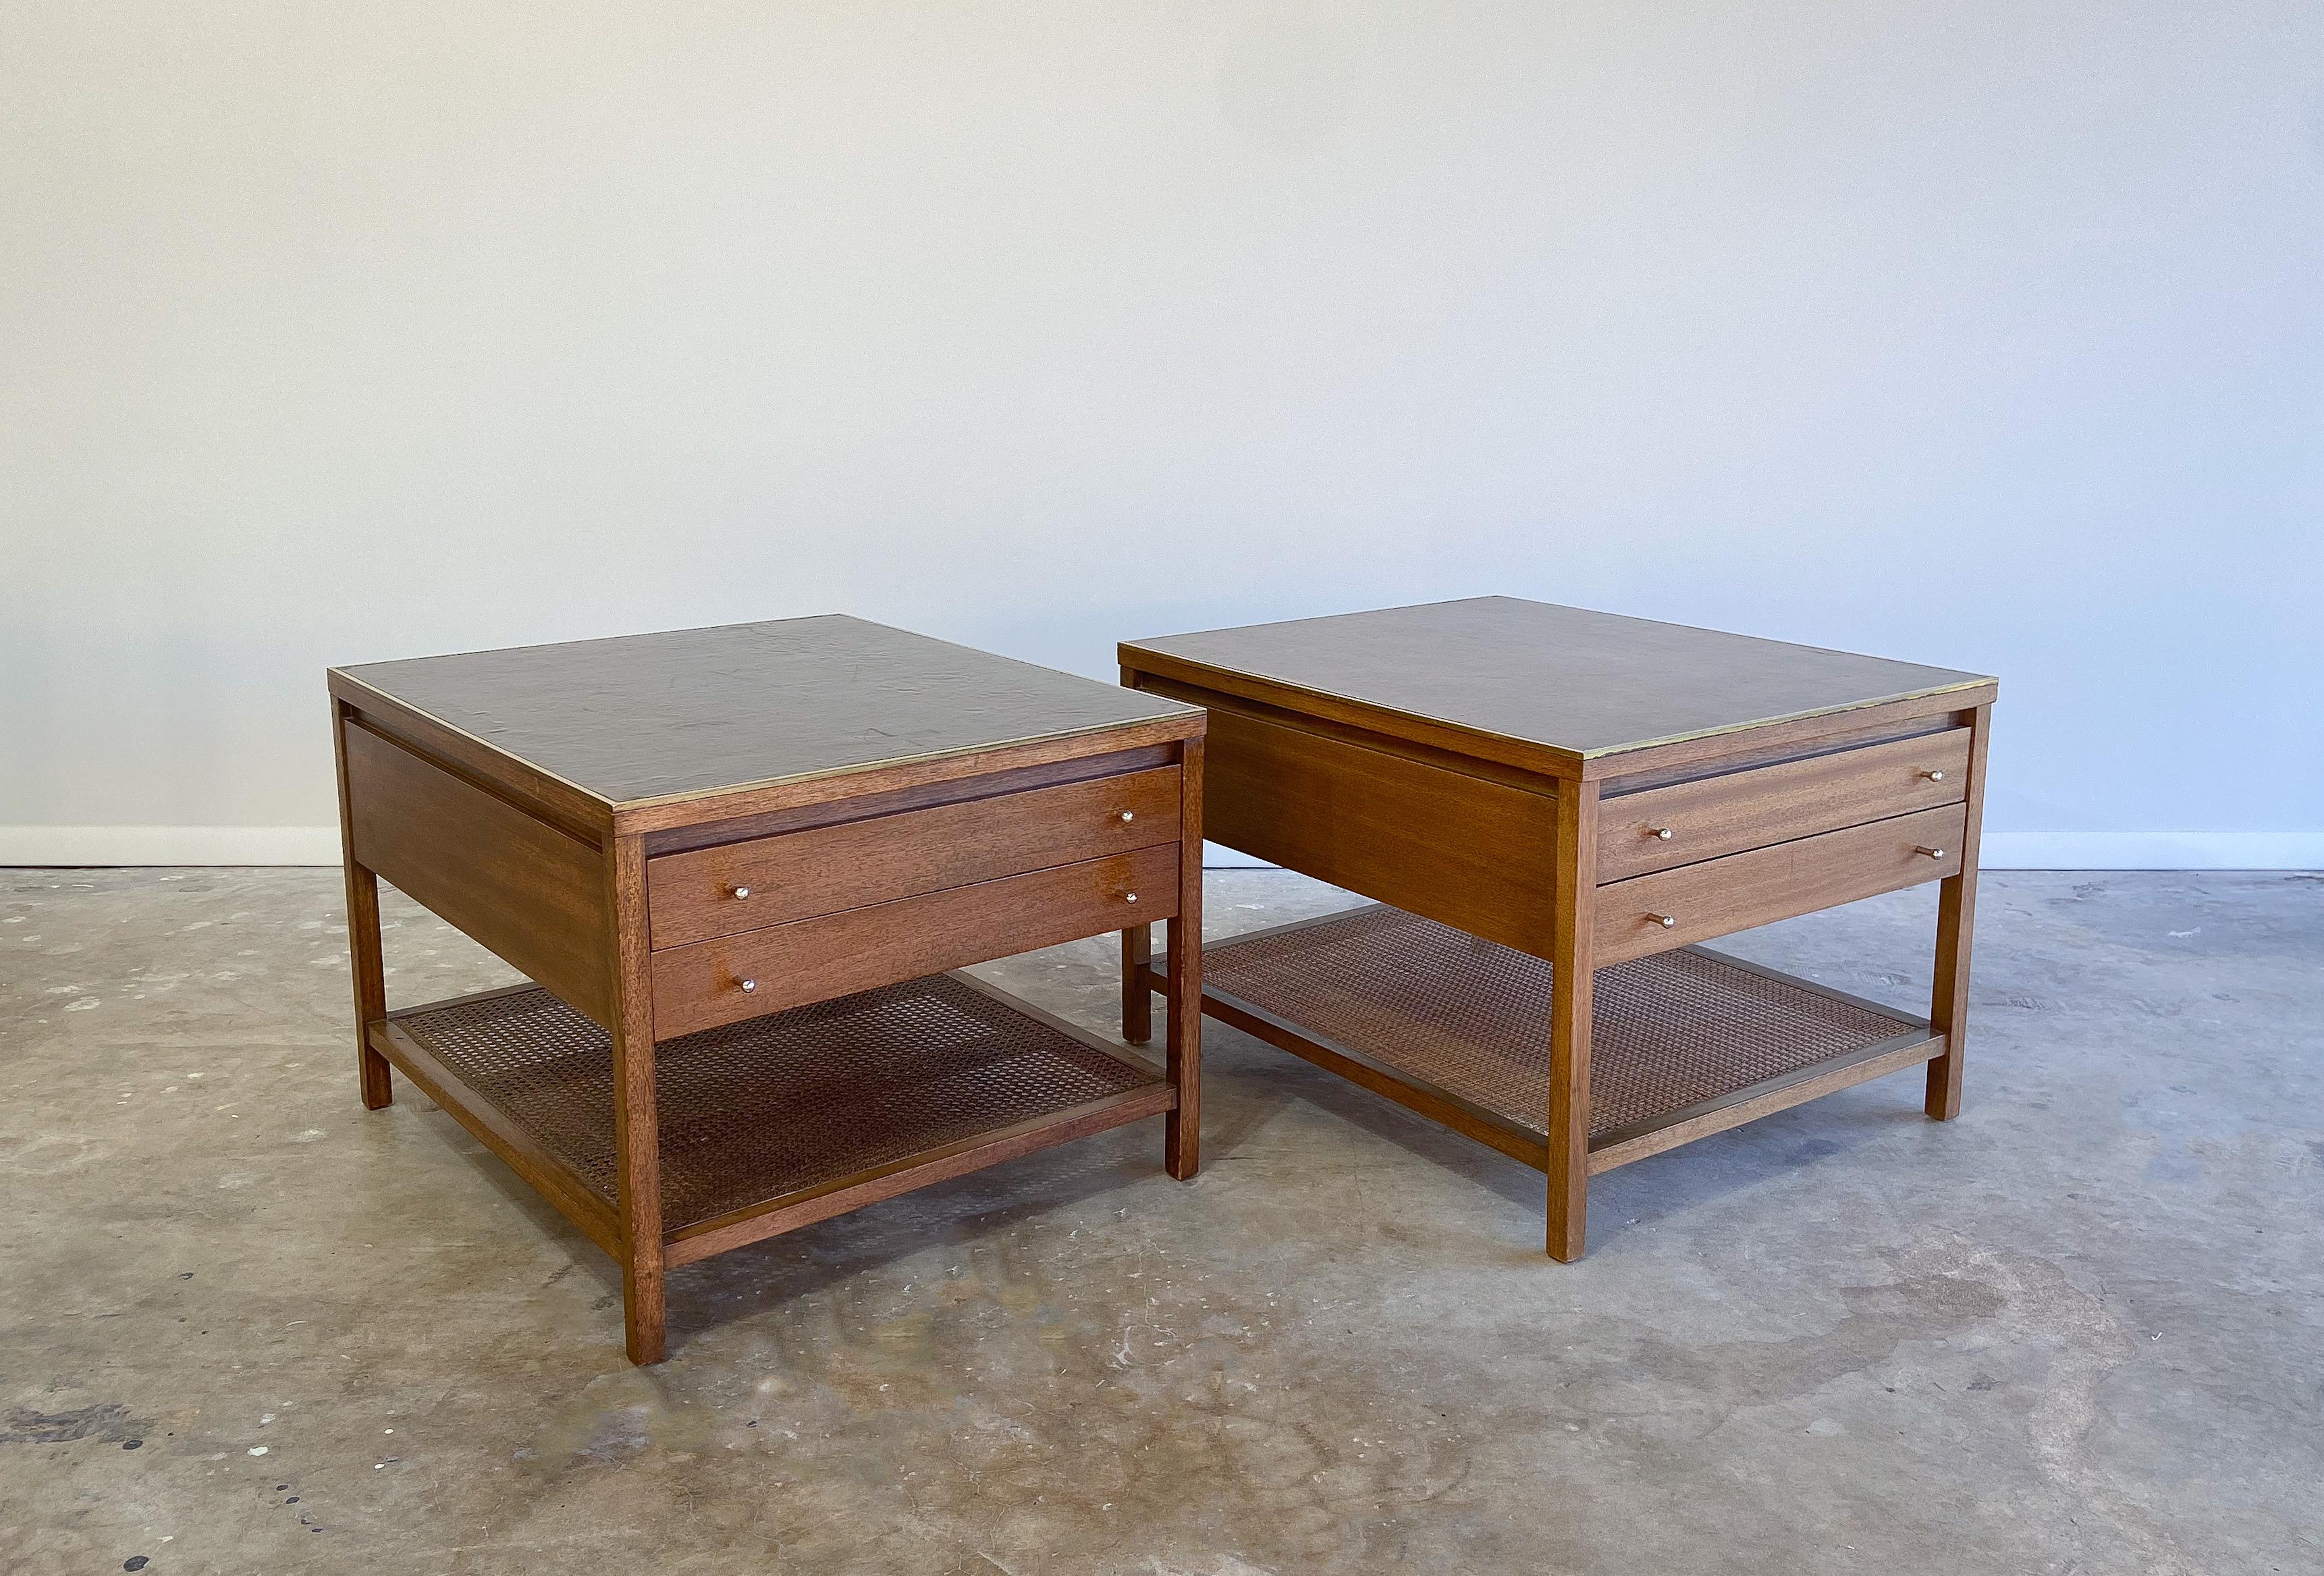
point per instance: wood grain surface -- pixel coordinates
(643, 718)
(700, 986)
(1472, 852)
(529, 893)
(768, 880)
(1721, 896)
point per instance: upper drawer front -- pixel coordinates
(702, 986)
(1721, 896)
(1716, 816)
(767, 880)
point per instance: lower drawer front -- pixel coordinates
(1713, 815)
(1721, 896)
(704, 985)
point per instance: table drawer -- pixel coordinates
(1721, 896)
(737, 887)
(702, 986)
(1716, 816)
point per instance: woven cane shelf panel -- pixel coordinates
(755, 1110)
(1470, 1017)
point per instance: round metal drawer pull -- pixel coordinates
(1129, 896)
(1934, 776)
(1662, 832)
(740, 891)
(1667, 921)
(1932, 852)
(1128, 816)
(748, 984)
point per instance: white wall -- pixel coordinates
(1977, 333)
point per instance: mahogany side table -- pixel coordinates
(735, 865)
(1551, 806)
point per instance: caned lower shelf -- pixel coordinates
(778, 1120)
(1683, 1044)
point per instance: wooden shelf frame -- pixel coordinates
(400, 1037)
(1525, 1140)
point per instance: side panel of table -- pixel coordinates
(550, 905)
(532, 894)
(547, 905)
(1475, 847)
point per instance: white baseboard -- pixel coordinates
(2152, 851)
(2073, 851)
(153, 845)
(123, 846)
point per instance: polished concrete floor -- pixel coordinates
(247, 1327)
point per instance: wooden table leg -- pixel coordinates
(1137, 996)
(1956, 919)
(1182, 1139)
(364, 958)
(371, 984)
(1575, 887)
(637, 1133)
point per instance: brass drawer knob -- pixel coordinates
(1667, 921)
(1662, 832)
(748, 984)
(1128, 816)
(738, 892)
(1932, 852)
(1934, 776)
